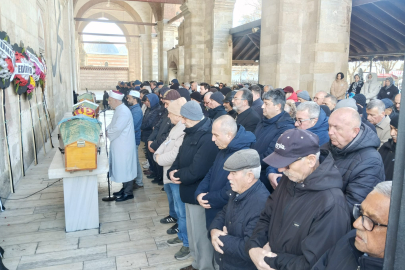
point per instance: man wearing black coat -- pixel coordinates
(364, 247)
(257, 99)
(388, 149)
(307, 213)
(216, 106)
(247, 117)
(195, 158)
(354, 148)
(234, 224)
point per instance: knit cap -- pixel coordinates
(304, 95)
(218, 97)
(360, 99)
(196, 96)
(346, 103)
(171, 95)
(175, 106)
(192, 110)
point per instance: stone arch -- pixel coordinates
(172, 70)
(134, 15)
(124, 29)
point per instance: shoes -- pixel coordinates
(160, 183)
(124, 198)
(119, 193)
(146, 166)
(175, 242)
(156, 180)
(174, 229)
(136, 186)
(182, 254)
(151, 176)
(147, 172)
(163, 188)
(168, 219)
(145, 162)
(190, 267)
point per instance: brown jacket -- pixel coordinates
(339, 88)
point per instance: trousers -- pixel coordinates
(200, 246)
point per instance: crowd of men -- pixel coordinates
(261, 178)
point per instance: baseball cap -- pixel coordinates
(292, 145)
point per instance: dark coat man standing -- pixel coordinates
(307, 213)
(234, 224)
(247, 117)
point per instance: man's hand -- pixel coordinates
(257, 255)
(273, 179)
(175, 180)
(150, 149)
(215, 234)
(203, 203)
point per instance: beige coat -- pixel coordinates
(339, 88)
(169, 149)
(384, 130)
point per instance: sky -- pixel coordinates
(241, 8)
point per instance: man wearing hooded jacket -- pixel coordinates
(307, 214)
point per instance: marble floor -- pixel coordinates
(32, 230)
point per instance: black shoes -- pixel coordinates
(168, 219)
(119, 193)
(157, 180)
(174, 229)
(124, 197)
(151, 176)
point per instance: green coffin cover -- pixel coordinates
(86, 96)
(80, 128)
(87, 104)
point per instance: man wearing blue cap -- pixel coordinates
(307, 214)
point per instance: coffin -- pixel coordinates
(79, 138)
(87, 96)
(87, 104)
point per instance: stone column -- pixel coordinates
(166, 42)
(146, 40)
(155, 58)
(194, 39)
(220, 41)
(325, 52)
(134, 59)
(280, 45)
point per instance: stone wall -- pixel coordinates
(101, 59)
(101, 78)
(47, 27)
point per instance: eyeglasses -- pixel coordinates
(367, 222)
(302, 120)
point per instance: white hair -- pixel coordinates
(312, 107)
(256, 171)
(384, 188)
(376, 103)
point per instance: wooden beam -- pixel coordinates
(107, 35)
(357, 3)
(370, 37)
(393, 11)
(245, 63)
(110, 21)
(363, 42)
(175, 18)
(375, 12)
(102, 42)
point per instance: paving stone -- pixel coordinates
(131, 261)
(131, 247)
(19, 250)
(103, 264)
(103, 239)
(59, 245)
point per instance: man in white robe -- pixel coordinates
(122, 157)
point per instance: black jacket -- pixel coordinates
(344, 255)
(388, 93)
(233, 114)
(248, 119)
(160, 132)
(387, 152)
(267, 133)
(240, 217)
(195, 158)
(150, 119)
(360, 165)
(216, 112)
(301, 221)
(357, 89)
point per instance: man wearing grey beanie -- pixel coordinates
(303, 96)
(195, 158)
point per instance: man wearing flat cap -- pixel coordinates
(122, 157)
(234, 224)
(307, 214)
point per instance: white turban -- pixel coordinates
(116, 94)
(134, 93)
